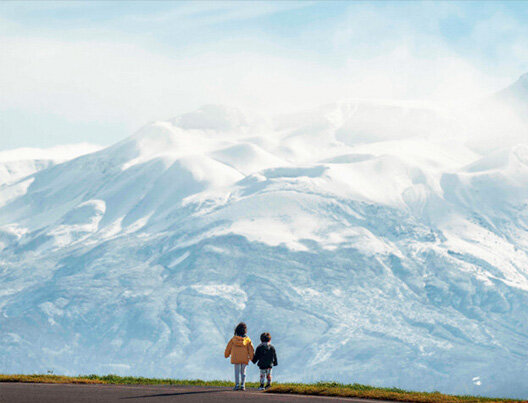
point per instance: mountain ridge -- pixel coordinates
(388, 260)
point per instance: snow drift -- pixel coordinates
(376, 251)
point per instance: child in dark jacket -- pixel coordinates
(265, 357)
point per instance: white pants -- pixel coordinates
(240, 374)
(265, 374)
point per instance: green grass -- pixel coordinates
(377, 393)
(40, 378)
(318, 389)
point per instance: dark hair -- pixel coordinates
(265, 337)
(241, 329)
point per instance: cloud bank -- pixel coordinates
(71, 80)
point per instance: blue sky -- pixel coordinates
(97, 71)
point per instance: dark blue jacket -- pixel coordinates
(265, 356)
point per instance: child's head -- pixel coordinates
(241, 329)
(265, 337)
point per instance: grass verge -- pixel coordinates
(376, 393)
(316, 389)
(38, 378)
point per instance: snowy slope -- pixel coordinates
(517, 93)
(396, 258)
(19, 163)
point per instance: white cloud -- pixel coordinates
(84, 78)
(214, 12)
(112, 80)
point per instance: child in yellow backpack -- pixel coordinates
(241, 351)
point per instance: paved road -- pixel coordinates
(56, 393)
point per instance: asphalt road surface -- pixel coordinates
(59, 393)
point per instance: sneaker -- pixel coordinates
(261, 387)
(268, 385)
(236, 387)
(242, 388)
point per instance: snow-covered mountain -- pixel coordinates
(372, 244)
(22, 162)
(517, 93)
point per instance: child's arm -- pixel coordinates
(251, 351)
(256, 357)
(227, 351)
(275, 357)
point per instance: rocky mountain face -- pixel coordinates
(373, 241)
